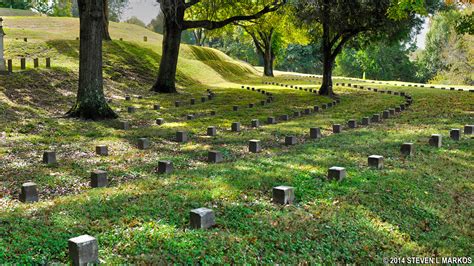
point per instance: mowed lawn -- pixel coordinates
(416, 206)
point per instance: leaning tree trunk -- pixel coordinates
(326, 85)
(106, 34)
(268, 59)
(90, 102)
(169, 60)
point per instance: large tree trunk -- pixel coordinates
(90, 102)
(106, 34)
(169, 60)
(326, 85)
(268, 59)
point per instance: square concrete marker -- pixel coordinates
(215, 157)
(455, 134)
(143, 143)
(235, 127)
(160, 121)
(192, 101)
(124, 125)
(102, 150)
(49, 157)
(392, 111)
(263, 103)
(402, 107)
(156, 107)
(336, 173)
(398, 109)
(202, 218)
(99, 179)
(284, 117)
(177, 103)
(255, 123)
(316, 108)
(307, 111)
(375, 161)
(269, 100)
(365, 121)
(131, 109)
(212, 131)
(407, 149)
(469, 129)
(251, 105)
(297, 114)
(376, 118)
(324, 106)
(190, 117)
(29, 192)
(165, 167)
(330, 105)
(336, 128)
(352, 123)
(386, 114)
(315, 133)
(254, 146)
(436, 140)
(83, 250)
(181, 136)
(203, 99)
(128, 98)
(235, 108)
(271, 120)
(283, 195)
(290, 140)
(213, 113)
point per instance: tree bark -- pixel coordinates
(268, 59)
(326, 85)
(169, 60)
(90, 101)
(106, 34)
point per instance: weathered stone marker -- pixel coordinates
(128, 98)
(165, 167)
(83, 250)
(131, 109)
(455, 134)
(336, 128)
(386, 114)
(10, 65)
(48, 62)
(365, 121)
(235, 127)
(271, 120)
(181, 136)
(192, 101)
(436, 140)
(190, 117)
(352, 123)
(23, 63)
(215, 157)
(255, 123)
(156, 107)
(315, 133)
(290, 140)
(254, 146)
(99, 179)
(469, 129)
(212, 131)
(297, 114)
(283, 195)
(213, 113)
(29, 192)
(145, 38)
(143, 143)
(203, 99)
(336, 173)
(160, 121)
(376, 118)
(407, 149)
(284, 117)
(235, 108)
(316, 108)
(124, 125)
(101, 150)
(375, 161)
(177, 103)
(324, 106)
(398, 109)
(202, 218)
(49, 157)
(35, 63)
(392, 111)
(263, 103)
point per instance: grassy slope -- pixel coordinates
(417, 206)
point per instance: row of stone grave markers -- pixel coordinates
(84, 249)
(421, 86)
(291, 87)
(23, 63)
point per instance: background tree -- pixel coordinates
(342, 20)
(157, 24)
(175, 23)
(135, 21)
(90, 101)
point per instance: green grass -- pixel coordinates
(417, 206)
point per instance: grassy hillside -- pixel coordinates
(6, 12)
(416, 206)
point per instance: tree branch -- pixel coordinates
(191, 3)
(210, 25)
